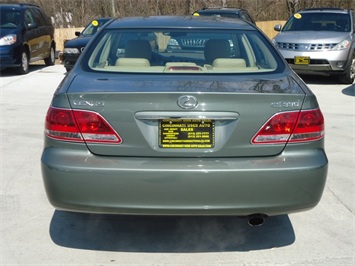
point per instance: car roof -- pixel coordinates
(184, 22)
(220, 10)
(324, 9)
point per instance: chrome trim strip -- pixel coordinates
(187, 115)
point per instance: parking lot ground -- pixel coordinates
(33, 233)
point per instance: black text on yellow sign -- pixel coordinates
(186, 133)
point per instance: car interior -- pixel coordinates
(180, 53)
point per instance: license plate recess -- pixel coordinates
(186, 133)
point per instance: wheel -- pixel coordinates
(349, 75)
(68, 69)
(49, 61)
(24, 67)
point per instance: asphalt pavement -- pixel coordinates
(34, 233)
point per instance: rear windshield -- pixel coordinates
(320, 21)
(182, 51)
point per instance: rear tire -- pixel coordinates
(50, 61)
(25, 65)
(349, 75)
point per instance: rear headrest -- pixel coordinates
(138, 49)
(217, 48)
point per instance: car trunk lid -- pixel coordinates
(180, 117)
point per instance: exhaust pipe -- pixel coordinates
(256, 219)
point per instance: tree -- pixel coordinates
(78, 13)
(291, 6)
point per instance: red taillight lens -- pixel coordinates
(295, 126)
(310, 126)
(79, 125)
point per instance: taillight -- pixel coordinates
(79, 126)
(295, 126)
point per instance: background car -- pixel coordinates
(227, 12)
(320, 41)
(213, 129)
(26, 35)
(74, 47)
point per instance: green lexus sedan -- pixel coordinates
(183, 116)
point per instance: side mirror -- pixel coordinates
(32, 26)
(278, 27)
(77, 33)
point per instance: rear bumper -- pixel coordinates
(82, 182)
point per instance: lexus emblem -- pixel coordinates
(187, 102)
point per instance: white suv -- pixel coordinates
(319, 41)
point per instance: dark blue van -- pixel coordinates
(26, 36)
